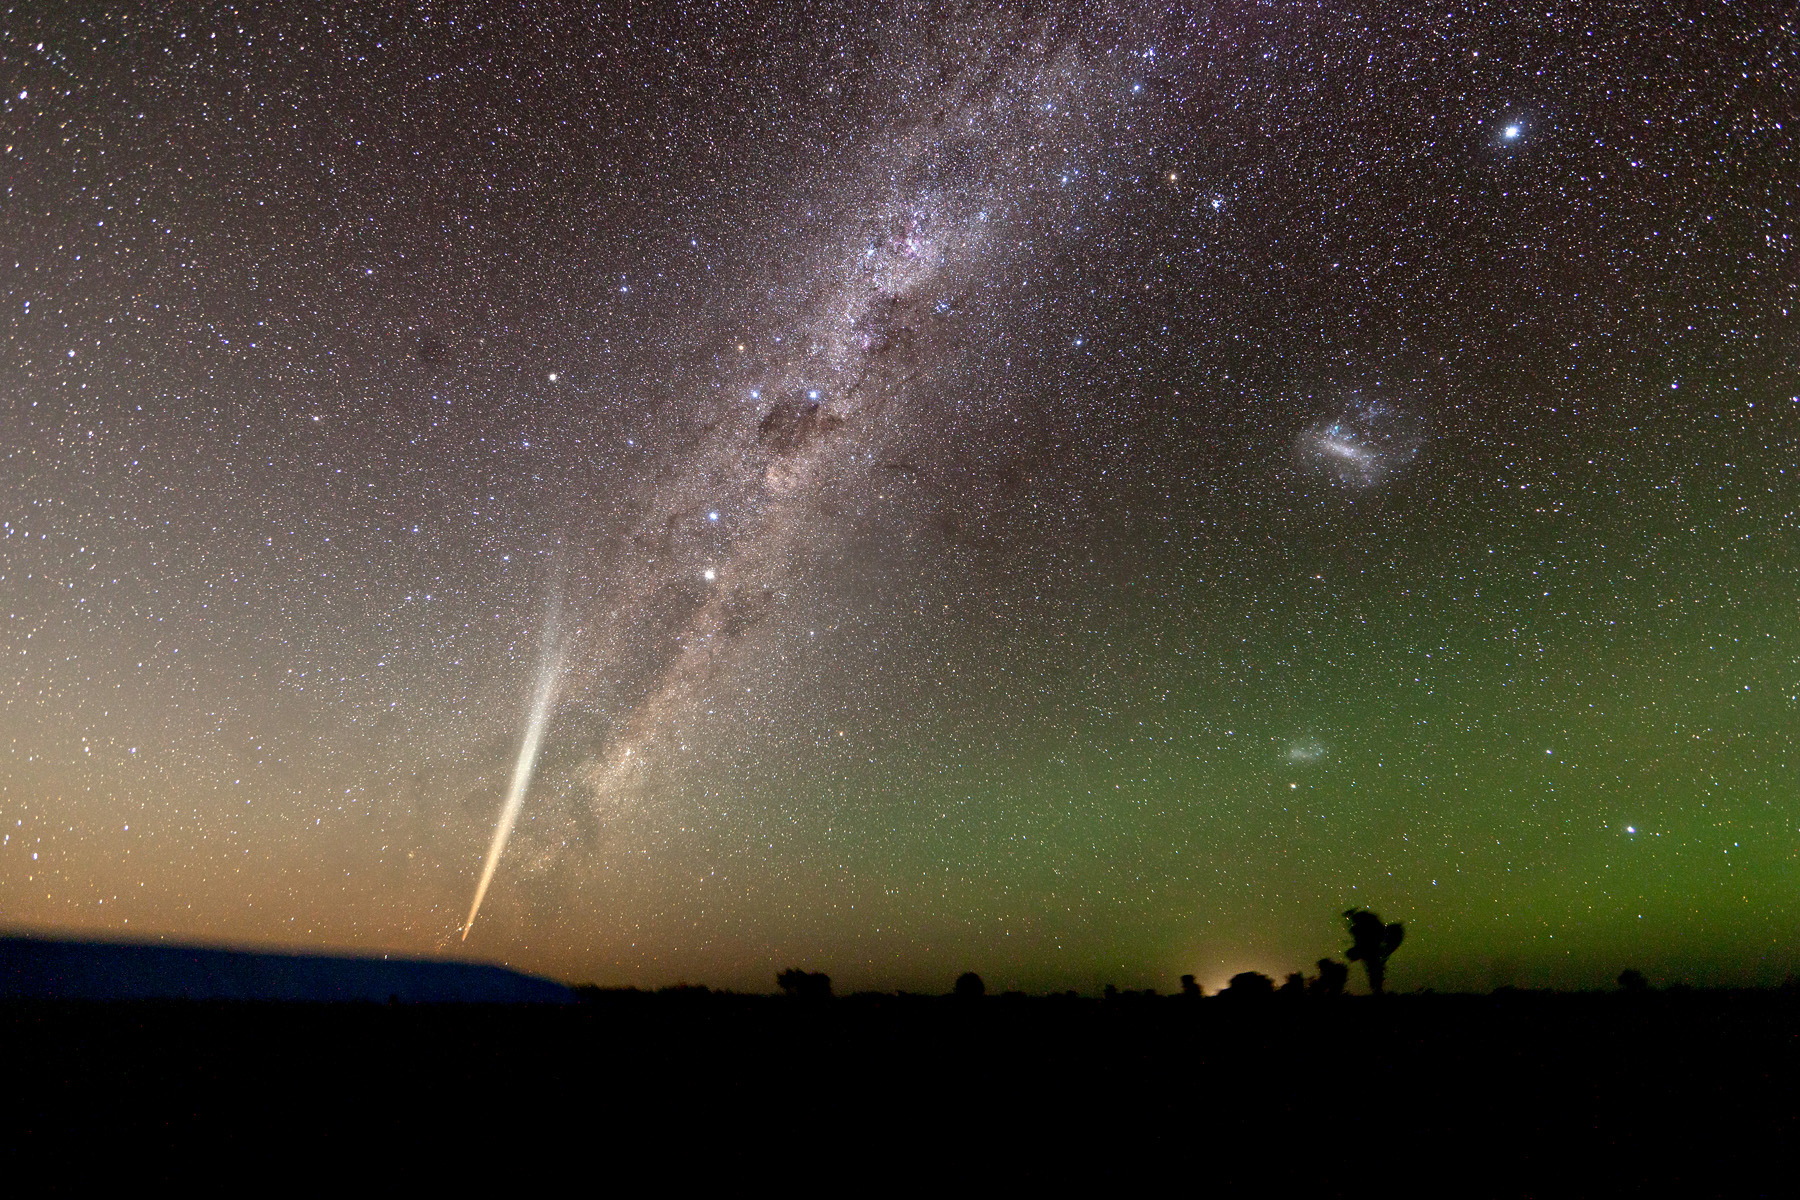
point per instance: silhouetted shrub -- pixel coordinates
(804, 985)
(1632, 982)
(1371, 943)
(1332, 979)
(969, 986)
(1294, 987)
(1249, 985)
(1190, 988)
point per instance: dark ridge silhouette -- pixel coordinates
(1527, 1093)
(43, 969)
(1372, 943)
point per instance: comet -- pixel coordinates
(543, 704)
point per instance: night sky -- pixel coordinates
(1079, 494)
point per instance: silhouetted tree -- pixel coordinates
(1371, 943)
(969, 986)
(805, 985)
(1331, 980)
(1632, 982)
(1190, 988)
(1294, 986)
(1250, 985)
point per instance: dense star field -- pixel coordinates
(1081, 494)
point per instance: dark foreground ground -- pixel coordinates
(1517, 1094)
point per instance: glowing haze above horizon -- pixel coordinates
(1082, 494)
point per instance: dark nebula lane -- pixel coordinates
(1083, 493)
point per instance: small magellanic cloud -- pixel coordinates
(1306, 750)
